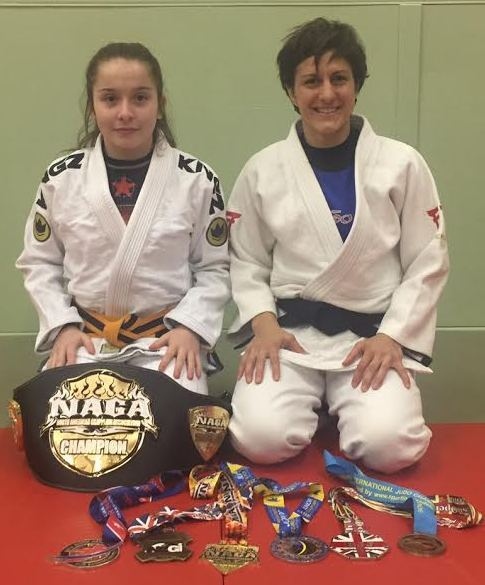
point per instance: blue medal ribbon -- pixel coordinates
(387, 494)
(106, 506)
(284, 523)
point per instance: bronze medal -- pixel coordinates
(230, 557)
(208, 426)
(422, 545)
(164, 545)
(88, 554)
(15, 416)
(299, 549)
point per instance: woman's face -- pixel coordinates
(126, 107)
(325, 95)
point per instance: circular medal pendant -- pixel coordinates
(422, 545)
(299, 549)
(87, 554)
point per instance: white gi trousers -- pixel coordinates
(273, 421)
(147, 359)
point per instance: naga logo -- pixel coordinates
(97, 422)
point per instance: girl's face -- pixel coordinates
(125, 107)
(325, 94)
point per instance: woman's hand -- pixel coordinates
(268, 339)
(183, 345)
(377, 355)
(66, 344)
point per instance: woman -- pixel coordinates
(125, 251)
(338, 258)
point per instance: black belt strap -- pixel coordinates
(327, 318)
(332, 320)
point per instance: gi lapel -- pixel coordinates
(161, 167)
(310, 192)
(99, 197)
(345, 254)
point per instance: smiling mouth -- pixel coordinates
(326, 111)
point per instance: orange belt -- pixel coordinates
(120, 331)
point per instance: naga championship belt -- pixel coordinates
(92, 426)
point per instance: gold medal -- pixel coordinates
(208, 426)
(15, 416)
(230, 557)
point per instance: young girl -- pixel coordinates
(125, 253)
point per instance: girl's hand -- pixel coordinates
(183, 345)
(66, 344)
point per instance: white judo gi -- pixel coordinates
(173, 251)
(284, 243)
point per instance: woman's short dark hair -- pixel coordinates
(132, 52)
(313, 39)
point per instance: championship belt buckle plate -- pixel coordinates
(208, 426)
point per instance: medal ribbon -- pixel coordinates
(385, 495)
(105, 508)
(210, 481)
(167, 515)
(284, 523)
(342, 511)
(451, 511)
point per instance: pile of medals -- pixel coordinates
(232, 489)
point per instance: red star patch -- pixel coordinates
(124, 187)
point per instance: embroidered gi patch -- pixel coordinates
(434, 214)
(232, 217)
(217, 232)
(42, 229)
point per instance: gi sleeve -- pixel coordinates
(411, 316)
(202, 307)
(42, 265)
(251, 253)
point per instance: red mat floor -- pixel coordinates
(38, 521)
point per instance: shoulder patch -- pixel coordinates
(217, 232)
(42, 229)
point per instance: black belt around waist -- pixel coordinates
(332, 320)
(91, 426)
(327, 318)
